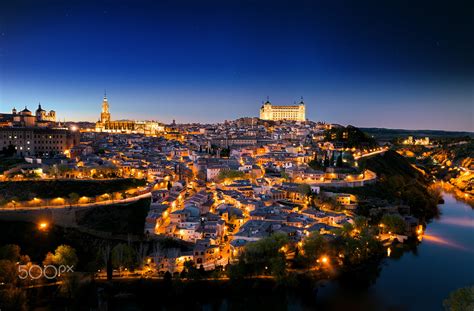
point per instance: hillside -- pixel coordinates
(117, 219)
(398, 183)
(383, 134)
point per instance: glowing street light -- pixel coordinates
(324, 260)
(43, 226)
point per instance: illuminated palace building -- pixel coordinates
(35, 135)
(105, 124)
(277, 113)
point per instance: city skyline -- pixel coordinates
(394, 66)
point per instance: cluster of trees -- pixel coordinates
(230, 175)
(351, 136)
(12, 296)
(393, 223)
(461, 299)
(63, 255)
(352, 245)
(214, 150)
(321, 164)
(263, 257)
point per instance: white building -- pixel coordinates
(277, 113)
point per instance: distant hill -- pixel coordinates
(389, 134)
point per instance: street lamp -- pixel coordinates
(43, 226)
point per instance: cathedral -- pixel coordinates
(105, 124)
(277, 113)
(25, 118)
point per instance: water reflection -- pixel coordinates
(441, 262)
(445, 242)
(457, 221)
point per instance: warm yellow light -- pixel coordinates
(419, 230)
(389, 251)
(325, 260)
(43, 226)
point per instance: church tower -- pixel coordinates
(105, 114)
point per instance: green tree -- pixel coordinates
(263, 257)
(313, 247)
(284, 175)
(123, 256)
(8, 272)
(230, 175)
(393, 223)
(304, 190)
(461, 299)
(63, 255)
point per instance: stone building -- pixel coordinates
(276, 113)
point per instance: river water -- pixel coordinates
(423, 278)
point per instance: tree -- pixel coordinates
(304, 190)
(73, 197)
(10, 252)
(361, 223)
(331, 162)
(326, 161)
(123, 256)
(141, 253)
(230, 175)
(105, 253)
(314, 246)
(8, 272)
(262, 257)
(339, 162)
(63, 255)
(13, 298)
(393, 223)
(461, 299)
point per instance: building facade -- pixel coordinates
(276, 113)
(105, 124)
(37, 141)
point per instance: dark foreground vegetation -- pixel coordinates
(116, 219)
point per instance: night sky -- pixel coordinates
(394, 64)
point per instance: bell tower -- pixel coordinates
(105, 114)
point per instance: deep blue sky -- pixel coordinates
(399, 65)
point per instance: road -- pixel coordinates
(101, 203)
(369, 154)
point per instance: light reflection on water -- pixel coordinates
(457, 221)
(422, 278)
(445, 242)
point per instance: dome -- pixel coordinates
(25, 110)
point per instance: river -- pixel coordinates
(422, 279)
